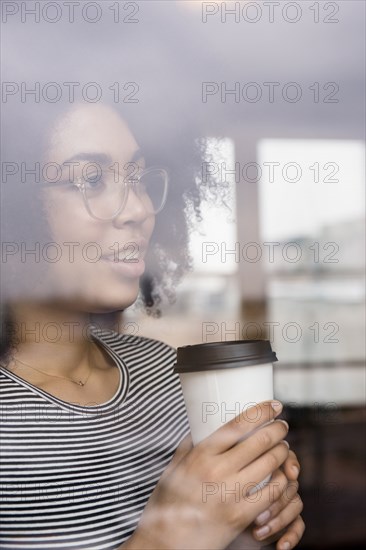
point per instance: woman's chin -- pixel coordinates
(94, 295)
(100, 300)
(104, 304)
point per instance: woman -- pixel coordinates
(95, 438)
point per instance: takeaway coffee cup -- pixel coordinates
(220, 380)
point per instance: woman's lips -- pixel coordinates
(126, 267)
(128, 260)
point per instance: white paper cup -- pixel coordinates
(221, 380)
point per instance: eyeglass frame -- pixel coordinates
(127, 183)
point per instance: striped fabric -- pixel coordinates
(79, 477)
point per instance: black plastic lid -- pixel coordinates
(222, 355)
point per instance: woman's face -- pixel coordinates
(98, 270)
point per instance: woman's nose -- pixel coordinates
(134, 210)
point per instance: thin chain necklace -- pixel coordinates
(78, 382)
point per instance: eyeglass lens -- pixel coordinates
(106, 191)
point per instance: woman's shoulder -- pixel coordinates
(130, 343)
(131, 338)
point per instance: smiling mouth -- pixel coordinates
(132, 268)
(123, 257)
(131, 252)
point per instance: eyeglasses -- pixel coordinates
(105, 192)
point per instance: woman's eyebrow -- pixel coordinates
(99, 158)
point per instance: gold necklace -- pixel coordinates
(78, 382)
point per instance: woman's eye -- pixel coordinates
(93, 180)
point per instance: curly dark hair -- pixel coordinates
(168, 136)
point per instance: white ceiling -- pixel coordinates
(170, 52)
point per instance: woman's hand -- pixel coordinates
(203, 499)
(283, 518)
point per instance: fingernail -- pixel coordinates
(286, 442)
(263, 531)
(277, 406)
(263, 517)
(284, 422)
(296, 470)
(285, 546)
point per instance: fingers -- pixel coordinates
(233, 431)
(265, 465)
(289, 493)
(262, 499)
(291, 467)
(256, 444)
(292, 536)
(284, 519)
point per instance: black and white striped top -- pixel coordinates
(77, 476)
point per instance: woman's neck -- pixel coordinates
(55, 339)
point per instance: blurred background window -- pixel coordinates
(313, 214)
